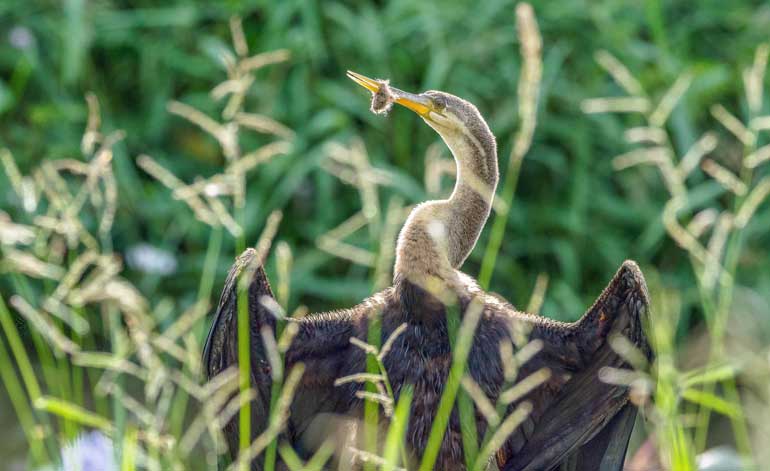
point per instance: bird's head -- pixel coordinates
(426, 247)
(447, 114)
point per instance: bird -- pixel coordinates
(575, 421)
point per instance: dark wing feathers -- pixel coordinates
(589, 421)
(221, 348)
(607, 450)
(217, 351)
(577, 423)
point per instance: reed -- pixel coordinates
(714, 262)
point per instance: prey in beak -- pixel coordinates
(383, 96)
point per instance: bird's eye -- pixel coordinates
(439, 102)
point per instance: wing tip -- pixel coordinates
(243, 261)
(633, 281)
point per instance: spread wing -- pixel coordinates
(586, 423)
(322, 344)
(607, 450)
(220, 351)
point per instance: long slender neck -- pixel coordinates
(439, 235)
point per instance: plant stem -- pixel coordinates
(468, 427)
(244, 335)
(395, 439)
(244, 364)
(492, 248)
(20, 404)
(27, 373)
(118, 410)
(446, 403)
(45, 355)
(371, 408)
(206, 285)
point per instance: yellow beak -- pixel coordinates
(419, 104)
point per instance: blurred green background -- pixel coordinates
(573, 218)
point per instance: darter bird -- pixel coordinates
(576, 422)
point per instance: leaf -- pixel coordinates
(713, 402)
